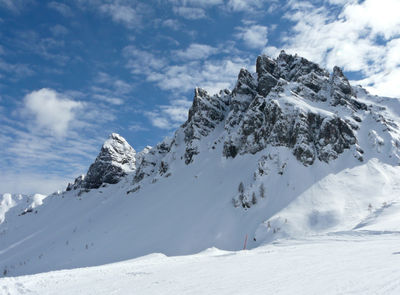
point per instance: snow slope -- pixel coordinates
(177, 217)
(326, 154)
(338, 264)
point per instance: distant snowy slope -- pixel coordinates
(291, 151)
(24, 202)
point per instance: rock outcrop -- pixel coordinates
(115, 160)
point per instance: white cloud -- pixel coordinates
(61, 8)
(190, 12)
(109, 99)
(142, 62)
(122, 14)
(247, 5)
(17, 70)
(48, 48)
(177, 111)
(15, 5)
(129, 13)
(172, 24)
(30, 183)
(254, 36)
(158, 122)
(193, 9)
(42, 162)
(51, 110)
(212, 75)
(196, 3)
(196, 51)
(169, 116)
(361, 37)
(59, 30)
(136, 127)
(113, 85)
(382, 17)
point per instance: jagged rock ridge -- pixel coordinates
(289, 102)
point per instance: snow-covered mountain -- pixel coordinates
(291, 151)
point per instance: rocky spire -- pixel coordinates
(115, 160)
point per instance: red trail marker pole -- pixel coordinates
(245, 243)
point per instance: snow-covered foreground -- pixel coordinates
(348, 263)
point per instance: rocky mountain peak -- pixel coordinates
(246, 84)
(289, 103)
(115, 160)
(117, 149)
(264, 110)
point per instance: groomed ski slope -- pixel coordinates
(347, 263)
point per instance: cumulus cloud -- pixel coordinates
(15, 71)
(141, 61)
(58, 30)
(190, 12)
(129, 13)
(201, 3)
(52, 111)
(197, 9)
(172, 24)
(247, 5)
(381, 17)
(15, 6)
(109, 89)
(253, 36)
(210, 74)
(169, 116)
(29, 183)
(122, 14)
(109, 99)
(61, 8)
(196, 51)
(361, 37)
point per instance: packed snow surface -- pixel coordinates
(347, 263)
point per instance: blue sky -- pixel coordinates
(72, 72)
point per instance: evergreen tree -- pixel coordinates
(262, 190)
(241, 188)
(253, 198)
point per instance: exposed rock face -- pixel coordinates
(78, 182)
(150, 160)
(310, 135)
(257, 113)
(114, 161)
(289, 102)
(204, 115)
